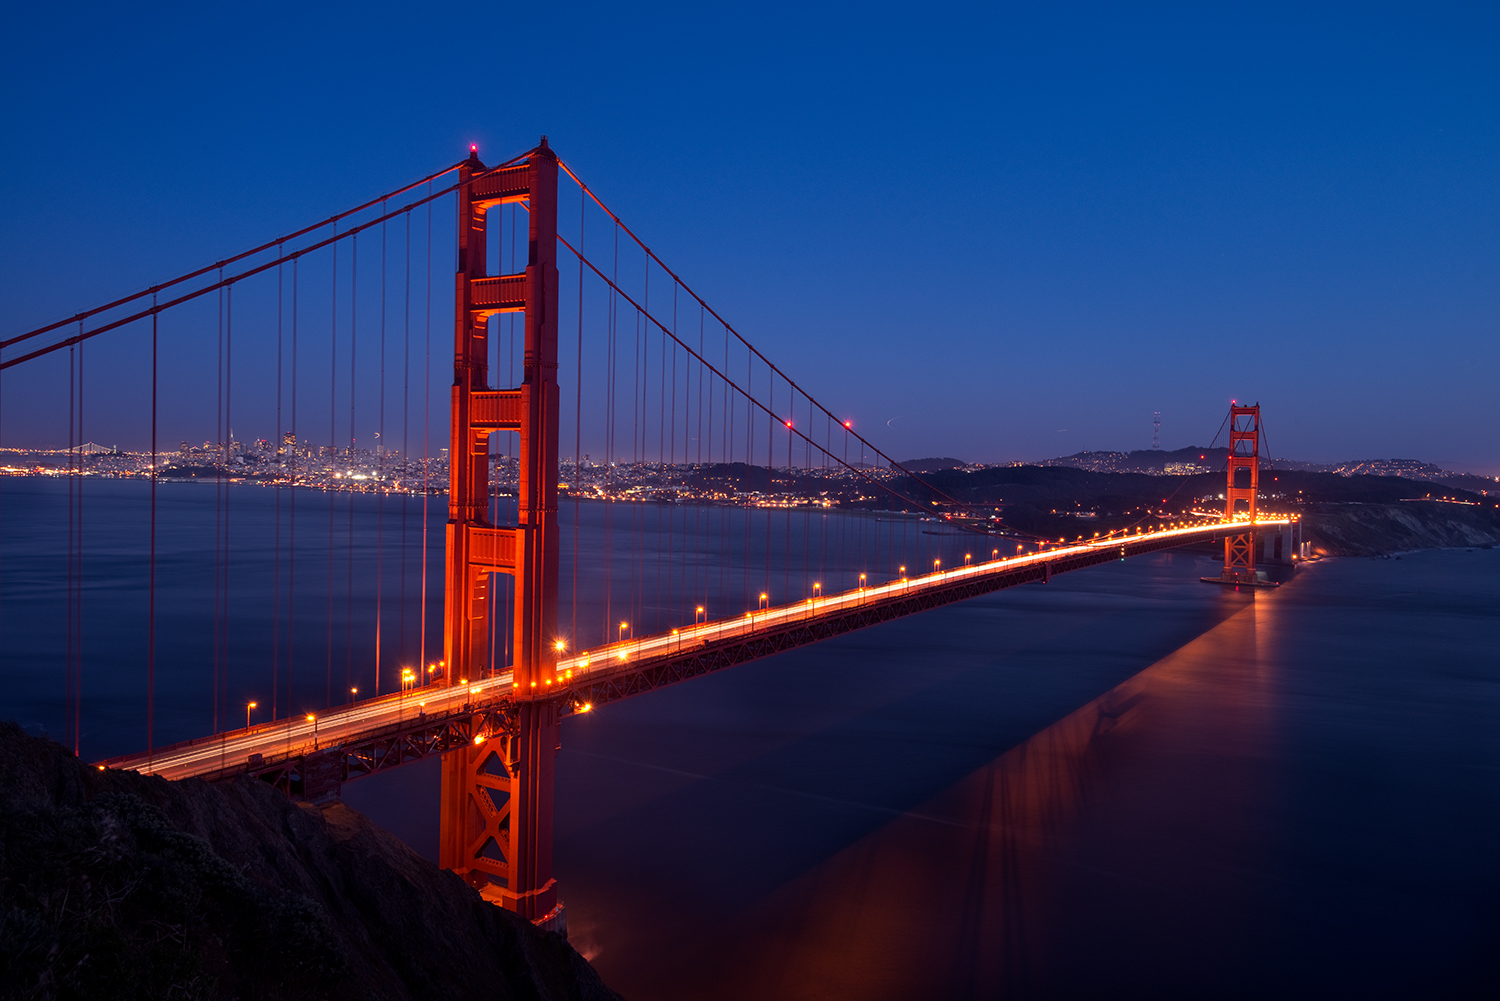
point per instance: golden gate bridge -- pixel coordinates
(700, 397)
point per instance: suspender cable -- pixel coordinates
(229, 445)
(349, 470)
(218, 500)
(380, 489)
(426, 422)
(578, 430)
(405, 467)
(72, 461)
(151, 579)
(276, 564)
(291, 546)
(333, 450)
(78, 578)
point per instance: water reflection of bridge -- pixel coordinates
(983, 889)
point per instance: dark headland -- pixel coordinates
(118, 885)
(1357, 509)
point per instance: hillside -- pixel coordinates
(118, 885)
(1066, 502)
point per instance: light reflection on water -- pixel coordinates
(961, 896)
(1297, 799)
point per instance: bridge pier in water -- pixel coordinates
(496, 812)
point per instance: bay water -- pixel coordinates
(1125, 782)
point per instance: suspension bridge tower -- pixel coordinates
(1240, 493)
(496, 822)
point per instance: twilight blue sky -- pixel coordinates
(1008, 231)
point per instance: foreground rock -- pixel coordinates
(117, 885)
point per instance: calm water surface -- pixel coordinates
(1122, 783)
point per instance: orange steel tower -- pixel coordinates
(1239, 496)
(496, 823)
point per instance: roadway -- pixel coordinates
(356, 722)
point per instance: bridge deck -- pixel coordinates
(371, 735)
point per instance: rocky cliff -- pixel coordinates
(117, 885)
(1374, 529)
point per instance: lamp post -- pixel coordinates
(311, 718)
(249, 706)
(623, 626)
(700, 613)
(765, 601)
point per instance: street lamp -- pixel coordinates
(861, 582)
(817, 589)
(623, 626)
(765, 600)
(314, 721)
(967, 558)
(353, 691)
(702, 612)
(249, 706)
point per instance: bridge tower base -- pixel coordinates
(496, 812)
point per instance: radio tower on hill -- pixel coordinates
(1156, 431)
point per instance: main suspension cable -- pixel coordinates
(756, 351)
